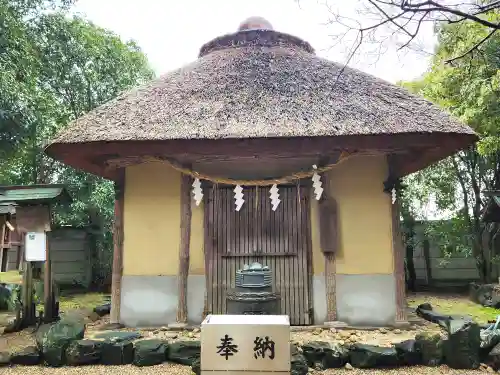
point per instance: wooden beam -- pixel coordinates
(182, 310)
(118, 237)
(91, 156)
(10, 226)
(262, 146)
(417, 159)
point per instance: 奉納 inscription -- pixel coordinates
(227, 348)
(263, 346)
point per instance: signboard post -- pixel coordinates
(254, 344)
(34, 220)
(35, 247)
(35, 244)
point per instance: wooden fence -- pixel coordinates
(440, 270)
(70, 253)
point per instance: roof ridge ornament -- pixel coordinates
(255, 23)
(255, 32)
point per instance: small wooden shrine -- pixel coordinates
(23, 210)
(259, 151)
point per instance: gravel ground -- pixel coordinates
(402, 370)
(170, 369)
(99, 370)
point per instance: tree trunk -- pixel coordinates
(410, 266)
(427, 259)
(408, 229)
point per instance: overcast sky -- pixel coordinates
(171, 32)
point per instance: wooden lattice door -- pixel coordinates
(280, 239)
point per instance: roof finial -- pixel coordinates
(253, 23)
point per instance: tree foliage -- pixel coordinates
(54, 69)
(469, 88)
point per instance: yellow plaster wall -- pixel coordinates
(152, 223)
(365, 239)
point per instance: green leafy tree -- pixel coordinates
(468, 88)
(18, 67)
(70, 66)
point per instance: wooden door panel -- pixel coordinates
(279, 239)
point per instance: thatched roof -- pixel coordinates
(269, 85)
(258, 84)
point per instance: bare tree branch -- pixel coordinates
(474, 48)
(414, 34)
(392, 19)
(406, 18)
(433, 6)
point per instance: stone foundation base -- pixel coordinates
(148, 301)
(362, 300)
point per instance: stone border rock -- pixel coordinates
(63, 344)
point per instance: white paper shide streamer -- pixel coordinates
(394, 195)
(238, 197)
(318, 190)
(197, 191)
(275, 197)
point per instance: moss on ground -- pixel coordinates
(87, 300)
(68, 300)
(11, 277)
(454, 305)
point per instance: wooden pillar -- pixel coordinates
(116, 277)
(28, 313)
(20, 251)
(397, 251)
(2, 244)
(330, 286)
(182, 279)
(399, 266)
(327, 210)
(48, 298)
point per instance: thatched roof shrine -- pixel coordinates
(259, 88)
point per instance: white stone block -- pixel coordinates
(245, 343)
